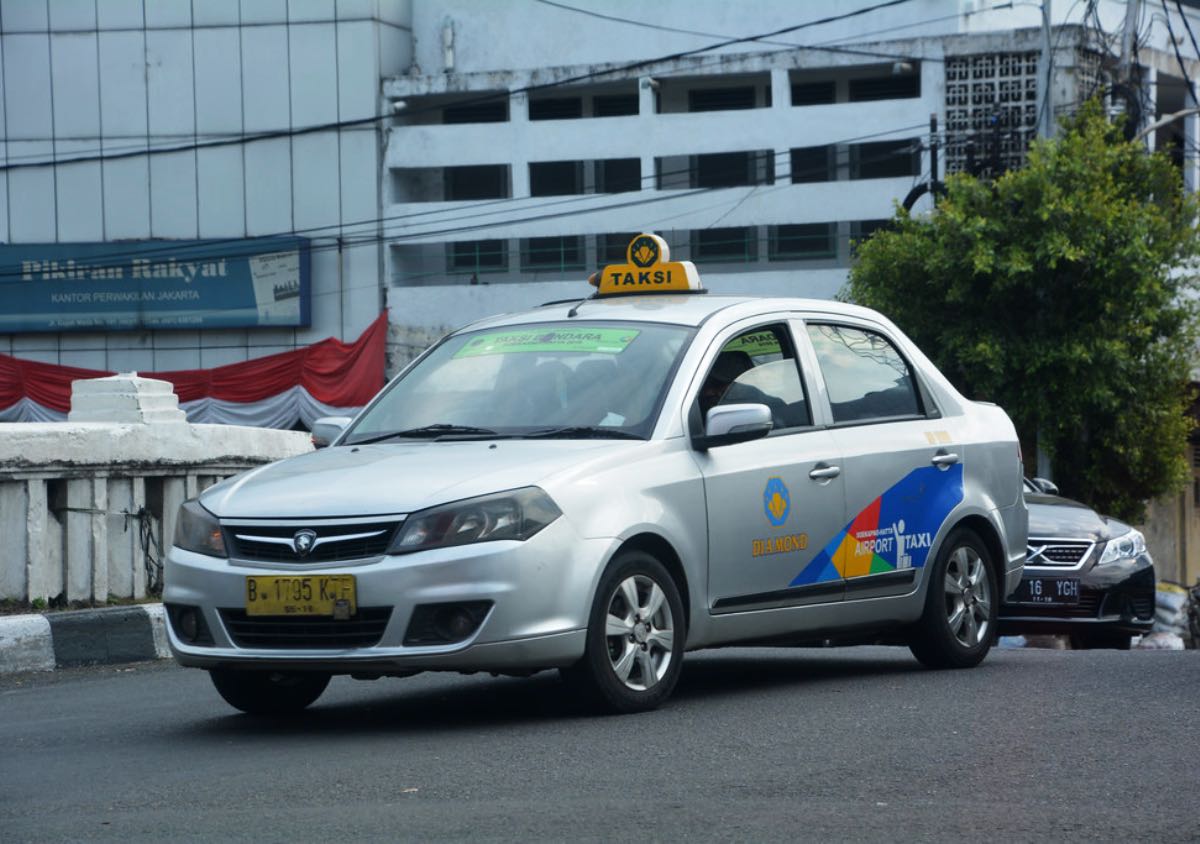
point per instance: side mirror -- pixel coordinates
(734, 423)
(1045, 486)
(326, 429)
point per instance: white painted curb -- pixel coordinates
(25, 644)
(158, 626)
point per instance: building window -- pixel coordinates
(885, 159)
(802, 241)
(618, 175)
(477, 256)
(813, 93)
(887, 87)
(731, 244)
(860, 230)
(486, 181)
(556, 108)
(721, 99)
(612, 248)
(492, 111)
(555, 178)
(552, 253)
(813, 164)
(734, 169)
(614, 105)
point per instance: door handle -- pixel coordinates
(824, 473)
(944, 459)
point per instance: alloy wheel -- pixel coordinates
(639, 632)
(968, 597)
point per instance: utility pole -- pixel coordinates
(1124, 65)
(1046, 66)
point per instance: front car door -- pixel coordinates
(768, 500)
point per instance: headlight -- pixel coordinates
(517, 514)
(197, 530)
(1130, 544)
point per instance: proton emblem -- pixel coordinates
(303, 542)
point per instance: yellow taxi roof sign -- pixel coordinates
(649, 270)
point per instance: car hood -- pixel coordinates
(396, 478)
(1054, 517)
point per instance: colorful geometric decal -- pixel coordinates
(777, 501)
(893, 532)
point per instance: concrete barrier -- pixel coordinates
(87, 507)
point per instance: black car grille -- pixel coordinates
(252, 542)
(1043, 552)
(364, 630)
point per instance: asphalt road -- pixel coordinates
(842, 744)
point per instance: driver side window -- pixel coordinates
(759, 367)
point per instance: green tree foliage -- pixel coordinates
(1063, 291)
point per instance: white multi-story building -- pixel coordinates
(453, 158)
(96, 94)
(531, 137)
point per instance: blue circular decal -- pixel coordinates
(777, 503)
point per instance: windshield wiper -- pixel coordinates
(428, 432)
(581, 432)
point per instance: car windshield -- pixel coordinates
(577, 380)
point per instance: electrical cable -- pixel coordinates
(1179, 56)
(253, 245)
(527, 89)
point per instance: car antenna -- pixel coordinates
(594, 281)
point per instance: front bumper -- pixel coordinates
(539, 593)
(1118, 597)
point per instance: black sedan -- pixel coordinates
(1086, 575)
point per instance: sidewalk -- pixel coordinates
(82, 637)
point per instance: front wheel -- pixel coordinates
(268, 692)
(959, 620)
(635, 637)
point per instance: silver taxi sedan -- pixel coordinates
(599, 486)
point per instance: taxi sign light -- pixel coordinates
(649, 270)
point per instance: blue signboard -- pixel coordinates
(155, 284)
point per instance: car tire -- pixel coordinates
(1095, 640)
(961, 605)
(635, 638)
(268, 692)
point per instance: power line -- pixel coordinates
(1179, 56)
(248, 246)
(527, 89)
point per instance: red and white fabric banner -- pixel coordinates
(329, 378)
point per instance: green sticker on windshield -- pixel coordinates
(760, 343)
(604, 341)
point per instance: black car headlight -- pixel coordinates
(198, 530)
(1131, 544)
(517, 514)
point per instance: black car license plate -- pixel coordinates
(1048, 590)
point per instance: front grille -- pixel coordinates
(274, 543)
(364, 630)
(1056, 552)
(1143, 604)
(1088, 607)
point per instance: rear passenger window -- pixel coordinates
(864, 374)
(759, 367)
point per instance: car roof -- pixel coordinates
(683, 309)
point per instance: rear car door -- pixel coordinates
(768, 499)
(901, 460)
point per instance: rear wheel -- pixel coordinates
(635, 637)
(959, 621)
(268, 692)
(1090, 641)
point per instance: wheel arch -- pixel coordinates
(986, 531)
(663, 551)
